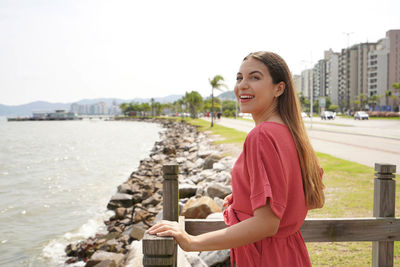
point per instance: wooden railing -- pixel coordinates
(382, 229)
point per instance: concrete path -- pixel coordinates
(364, 142)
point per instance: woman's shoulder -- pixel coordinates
(268, 129)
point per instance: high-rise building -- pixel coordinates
(332, 76)
(394, 57)
(319, 86)
(378, 70)
(297, 82)
(353, 73)
(307, 82)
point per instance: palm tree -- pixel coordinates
(216, 83)
(195, 101)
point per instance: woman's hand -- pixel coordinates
(227, 200)
(169, 228)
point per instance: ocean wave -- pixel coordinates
(53, 251)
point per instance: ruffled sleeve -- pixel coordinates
(265, 169)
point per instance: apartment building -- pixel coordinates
(307, 82)
(378, 70)
(353, 73)
(393, 57)
(332, 75)
(319, 74)
(297, 82)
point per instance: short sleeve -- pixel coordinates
(265, 170)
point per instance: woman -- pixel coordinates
(275, 180)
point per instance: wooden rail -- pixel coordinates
(382, 230)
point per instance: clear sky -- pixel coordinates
(66, 50)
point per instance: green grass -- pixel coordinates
(228, 135)
(349, 193)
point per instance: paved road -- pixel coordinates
(364, 142)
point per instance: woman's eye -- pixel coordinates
(239, 78)
(255, 78)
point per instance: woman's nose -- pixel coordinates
(243, 85)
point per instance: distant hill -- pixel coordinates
(26, 110)
(229, 95)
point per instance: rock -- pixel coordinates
(136, 233)
(218, 166)
(120, 200)
(153, 200)
(200, 191)
(120, 213)
(209, 162)
(72, 260)
(199, 162)
(218, 201)
(204, 153)
(218, 190)
(187, 190)
(168, 150)
(199, 208)
(106, 263)
(212, 258)
(125, 189)
(71, 250)
(216, 216)
(195, 260)
(100, 256)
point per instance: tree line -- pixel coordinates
(191, 104)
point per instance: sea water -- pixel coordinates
(56, 178)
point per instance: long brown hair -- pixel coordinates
(289, 110)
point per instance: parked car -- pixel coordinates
(328, 115)
(361, 115)
(304, 115)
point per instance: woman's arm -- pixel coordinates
(264, 223)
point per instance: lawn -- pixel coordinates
(349, 193)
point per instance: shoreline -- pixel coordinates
(204, 180)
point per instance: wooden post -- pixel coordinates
(162, 251)
(170, 193)
(384, 206)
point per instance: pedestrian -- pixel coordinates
(275, 180)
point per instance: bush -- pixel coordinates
(388, 114)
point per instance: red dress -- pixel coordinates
(268, 168)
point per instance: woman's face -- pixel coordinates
(254, 88)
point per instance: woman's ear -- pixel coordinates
(280, 88)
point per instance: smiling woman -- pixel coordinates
(275, 180)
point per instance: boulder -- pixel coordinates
(218, 190)
(195, 260)
(169, 150)
(125, 189)
(106, 263)
(153, 200)
(136, 233)
(218, 166)
(100, 256)
(199, 208)
(187, 190)
(212, 258)
(120, 200)
(199, 162)
(120, 213)
(209, 162)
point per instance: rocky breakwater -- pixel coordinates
(204, 180)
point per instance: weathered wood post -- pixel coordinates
(162, 251)
(384, 206)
